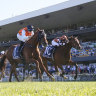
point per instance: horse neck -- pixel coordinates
(70, 45)
(67, 46)
(33, 41)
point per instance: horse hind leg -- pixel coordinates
(10, 77)
(63, 72)
(56, 68)
(2, 74)
(15, 73)
(13, 70)
(76, 71)
(57, 71)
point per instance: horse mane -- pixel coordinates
(70, 37)
(33, 35)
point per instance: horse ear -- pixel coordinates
(71, 36)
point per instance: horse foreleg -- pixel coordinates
(23, 73)
(45, 64)
(2, 74)
(11, 71)
(76, 71)
(37, 65)
(46, 70)
(73, 63)
(38, 68)
(15, 73)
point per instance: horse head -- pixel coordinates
(75, 42)
(42, 36)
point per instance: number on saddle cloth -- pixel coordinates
(48, 51)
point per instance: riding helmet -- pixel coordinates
(30, 28)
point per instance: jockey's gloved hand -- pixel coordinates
(45, 44)
(42, 46)
(67, 41)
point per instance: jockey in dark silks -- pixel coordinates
(60, 41)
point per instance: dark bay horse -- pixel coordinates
(31, 54)
(62, 55)
(2, 67)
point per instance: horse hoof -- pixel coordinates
(58, 73)
(53, 79)
(65, 77)
(75, 77)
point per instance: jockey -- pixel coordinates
(56, 41)
(25, 34)
(60, 41)
(63, 40)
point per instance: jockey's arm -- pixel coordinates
(25, 38)
(30, 36)
(23, 33)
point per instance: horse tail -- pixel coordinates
(2, 64)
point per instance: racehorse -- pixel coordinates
(31, 54)
(62, 55)
(2, 67)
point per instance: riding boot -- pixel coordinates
(21, 44)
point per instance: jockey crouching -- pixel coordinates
(60, 41)
(24, 35)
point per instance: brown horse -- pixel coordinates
(31, 54)
(62, 55)
(2, 67)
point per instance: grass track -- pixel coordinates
(48, 89)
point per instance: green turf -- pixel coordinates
(48, 89)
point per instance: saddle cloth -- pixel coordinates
(16, 53)
(48, 53)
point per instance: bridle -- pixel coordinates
(75, 43)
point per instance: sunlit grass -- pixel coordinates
(48, 89)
